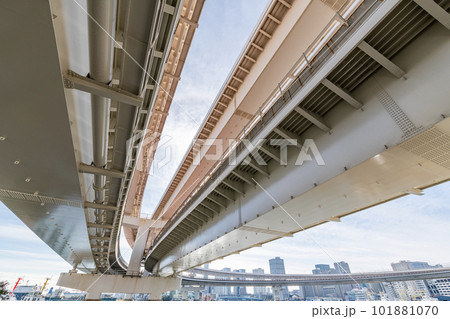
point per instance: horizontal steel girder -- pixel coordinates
(75, 81)
(436, 11)
(88, 169)
(100, 206)
(381, 59)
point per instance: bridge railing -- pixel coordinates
(350, 16)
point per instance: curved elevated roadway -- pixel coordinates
(359, 117)
(246, 279)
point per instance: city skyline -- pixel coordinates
(425, 289)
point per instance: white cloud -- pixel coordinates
(16, 232)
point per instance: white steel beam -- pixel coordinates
(189, 22)
(99, 238)
(88, 169)
(234, 185)
(381, 59)
(99, 247)
(190, 224)
(211, 206)
(182, 231)
(246, 177)
(225, 193)
(199, 216)
(135, 222)
(266, 231)
(285, 3)
(204, 212)
(342, 93)
(257, 46)
(100, 206)
(169, 9)
(271, 151)
(260, 168)
(271, 17)
(218, 200)
(250, 58)
(436, 11)
(315, 119)
(186, 227)
(75, 81)
(92, 225)
(289, 136)
(265, 33)
(190, 219)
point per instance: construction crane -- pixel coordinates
(45, 284)
(15, 286)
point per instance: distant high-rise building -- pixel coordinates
(321, 269)
(324, 291)
(208, 289)
(358, 294)
(439, 287)
(391, 292)
(239, 291)
(277, 268)
(411, 265)
(343, 268)
(337, 291)
(223, 290)
(307, 291)
(258, 271)
(259, 291)
(408, 290)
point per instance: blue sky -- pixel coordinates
(411, 228)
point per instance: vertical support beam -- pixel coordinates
(93, 295)
(138, 250)
(436, 11)
(381, 59)
(128, 297)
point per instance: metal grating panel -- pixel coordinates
(396, 113)
(5, 193)
(433, 145)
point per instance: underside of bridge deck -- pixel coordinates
(368, 117)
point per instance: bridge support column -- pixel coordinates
(93, 295)
(138, 250)
(196, 290)
(128, 297)
(277, 293)
(96, 284)
(280, 293)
